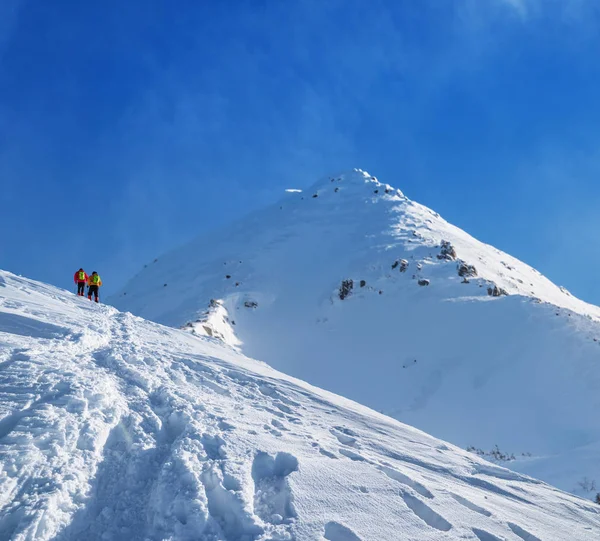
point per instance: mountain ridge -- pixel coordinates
(360, 184)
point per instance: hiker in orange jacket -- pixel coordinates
(94, 283)
(80, 279)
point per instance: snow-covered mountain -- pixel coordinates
(115, 428)
(355, 288)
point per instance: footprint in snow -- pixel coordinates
(272, 430)
(270, 410)
(226, 507)
(279, 425)
(323, 451)
(213, 446)
(426, 514)
(334, 531)
(223, 391)
(225, 426)
(327, 453)
(272, 494)
(345, 430)
(282, 407)
(17, 355)
(344, 438)
(272, 392)
(482, 535)
(470, 505)
(352, 455)
(405, 480)
(523, 534)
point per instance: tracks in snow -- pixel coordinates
(144, 443)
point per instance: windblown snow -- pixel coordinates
(355, 288)
(115, 428)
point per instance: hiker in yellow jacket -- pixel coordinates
(94, 283)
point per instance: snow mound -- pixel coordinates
(353, 287)
(112, 427)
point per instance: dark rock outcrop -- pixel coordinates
(496, 291)
(447, 252)
(402, 263)
(346, 289)
(466, 270)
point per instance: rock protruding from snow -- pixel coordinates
(447, 251)
(466, 271)
(496, 291)
(346, 288)
(402, 264)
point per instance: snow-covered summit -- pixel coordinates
(352, 182)
(115, 428)
(377, 221)
(352, 286)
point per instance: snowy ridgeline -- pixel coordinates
(355, 288)
(115, 428)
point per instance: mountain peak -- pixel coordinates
(355, 181)
(355, 288)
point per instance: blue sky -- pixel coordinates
(127, 128)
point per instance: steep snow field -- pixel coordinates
(115, 428)
(520, 371)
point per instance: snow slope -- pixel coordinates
(520, 371)
(115, 428)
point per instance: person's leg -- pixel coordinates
(93, 291)
(90, 292)
(80, 288)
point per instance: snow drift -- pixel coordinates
(355, 288)
(115, 428)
